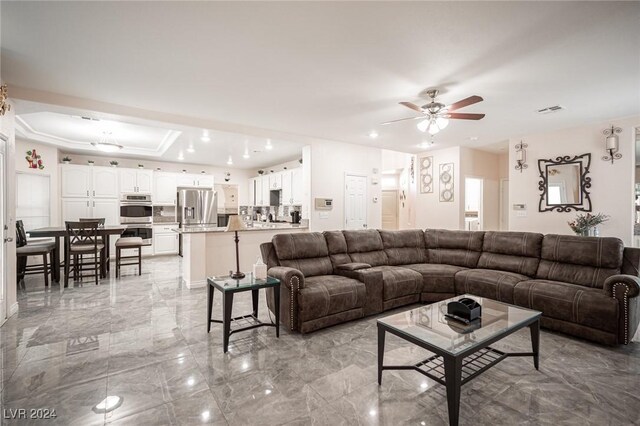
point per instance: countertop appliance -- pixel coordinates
(136, 209)
(197, 207)
(295, 216)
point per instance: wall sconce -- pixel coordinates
(612, 144)
(4, 106)
(521, 156)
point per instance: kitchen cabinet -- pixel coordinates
(104, 182)
(135, 181)
(76, 208)
(265, 191)
(75, 180)
(287, 197)
(195, 180)
(297, 186)
(165, 188)
(165, 240)
(275, 181)
(252, 191)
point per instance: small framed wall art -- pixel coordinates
(426, 175)
(446, 182)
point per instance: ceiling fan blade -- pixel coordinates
(402, 119)
(464, 116)
(412, 106)
(465, 102)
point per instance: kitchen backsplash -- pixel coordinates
(164, 214)
(280, 213)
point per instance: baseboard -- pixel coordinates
(194, 284)
(13, 309)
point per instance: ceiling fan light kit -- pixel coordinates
(436, 115)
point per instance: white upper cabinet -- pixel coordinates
(297, 187)
(144, 179)
(75, 180)
(165, 188)
(185, 179)
(252, 191)
(136, 181)
(275, 181)
(287, 195)
(195, 180)
(205, 181)
(265, 191)
(105, 182)
(128, 180)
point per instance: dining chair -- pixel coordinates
(105, 259)
(83, 240)
(24, 250)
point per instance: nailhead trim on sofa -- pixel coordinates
(626, 309)
(294, 294)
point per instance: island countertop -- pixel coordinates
(261, 227)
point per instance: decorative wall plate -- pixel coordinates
(446, 182)
(426, 175)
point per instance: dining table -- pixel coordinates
(59, 232)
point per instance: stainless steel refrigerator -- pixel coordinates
(197, 207)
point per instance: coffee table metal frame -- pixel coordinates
(251, 319)
(448, 369)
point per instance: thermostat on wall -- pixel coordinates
(324, 203)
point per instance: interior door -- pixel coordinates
(355, 202)
(390, 209)
(7, 238)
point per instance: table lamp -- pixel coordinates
(235, 224)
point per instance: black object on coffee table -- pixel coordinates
(460, 355)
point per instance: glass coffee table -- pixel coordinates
(461, 352)
(228, 287)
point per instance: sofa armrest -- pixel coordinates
(373, 283)
(353, 266)
(287, 276)
(628, 284)
(291, 281)
(625, 289)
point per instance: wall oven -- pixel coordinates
(136, 209)
(144, 231)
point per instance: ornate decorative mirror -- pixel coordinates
(564, 184)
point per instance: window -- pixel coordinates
(33, 201)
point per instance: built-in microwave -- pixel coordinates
(136, 208)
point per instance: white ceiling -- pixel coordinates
(66, 129)
(335, 70)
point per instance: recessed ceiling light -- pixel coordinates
(181, 156)
(205, 136)
(373, 134)
(268, 146)
(190, 150)
(473, 138)
(230, 161)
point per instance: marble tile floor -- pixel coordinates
(142, 341)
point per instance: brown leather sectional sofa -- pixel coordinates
(584, 286)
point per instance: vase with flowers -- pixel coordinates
(587, 224)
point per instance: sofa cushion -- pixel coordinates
(436, 278)
(398, 281)
(329, 294)
(365, 246)
(587, 261)
(459, 248)
(568, 302)
(493, 284)
(404, 247)
(517, 252)
(306, 252)
(337, 247)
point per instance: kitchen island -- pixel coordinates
(210, 251)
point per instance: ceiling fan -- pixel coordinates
(435, 115)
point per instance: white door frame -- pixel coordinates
(4, 308)
(344, 198)
(481, 205)
(503, 218)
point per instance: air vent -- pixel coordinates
(82, 117)
(550, 109)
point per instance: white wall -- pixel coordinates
(238, 177)
(50, 160)
(612, 184)
(329, 162)
(430, 212)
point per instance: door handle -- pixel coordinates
(8, 240)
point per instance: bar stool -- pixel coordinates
(125, 243)
(24, 250)
(82, 240)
